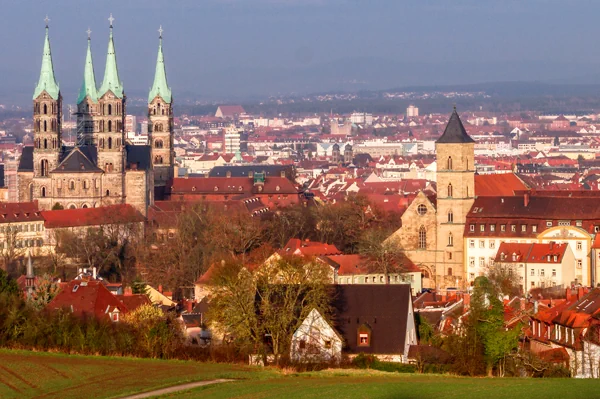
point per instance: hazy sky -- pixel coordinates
(237, 48)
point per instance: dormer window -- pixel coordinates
(363, 336)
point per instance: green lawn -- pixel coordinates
(356, 384)
(25, 374)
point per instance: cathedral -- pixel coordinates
(102, 168)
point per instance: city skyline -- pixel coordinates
(235, 49)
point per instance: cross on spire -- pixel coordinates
(46, 20)
(160, 31)
(111, 19)
(89, 32)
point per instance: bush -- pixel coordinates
(363, 361)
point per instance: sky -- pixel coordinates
(234, 49)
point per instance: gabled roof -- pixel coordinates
(455, 131)
(26, 160)
(113, 214)
(384, 309)
(77, 162)
(18, 212)
(497, 184)
(295, 246)
(87, 299)
(47, 81)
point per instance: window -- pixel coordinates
(471, 276)
(492, 227)
(43, 192)
(450, 240)
(44, 167)
(421, 209)
(579, 245)
(363, 339)
(523, 228)
(482, 262)
(422, 237)
(472, 227)
(579, 263)
(449, 255)
(549, 223)
(450, 217)
(534, 228)
(513, 228)
(109, 110)
(492, 244)
(72, 185)
(481, 243)
(471, 243)
(532, 274)
(553, 272)
(482, 227)
(502, 227)
(449, 271)
(449, 163)
(472, 261)
(110, 130)
(564, 223)
(450, 190)
(110, 138)
(542, 272)
(158, 144)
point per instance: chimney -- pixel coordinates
(94, 272)
(526, 199)
(128, 291)
(160, 288)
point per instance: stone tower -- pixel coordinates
(455, 195)
(160, 122)
(87, 102)
(335, 153)
(348, 154)
(109, 137)
(47, 107)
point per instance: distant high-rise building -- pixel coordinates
(130, 124)
(361, 118)
(144, 127)
(231, 140)
(412, 111)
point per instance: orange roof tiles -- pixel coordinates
(501, 184)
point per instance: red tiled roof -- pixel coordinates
(531, 253)
(501, 184)
(87, 298)
(231, 110)
(134, 301)
(113, 214)
(16, 212)
(296, 246)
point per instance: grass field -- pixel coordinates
(26, 374)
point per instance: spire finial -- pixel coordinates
(46, 20)
(111, 19)
(89, 32)
(160, 31)
(454, 107)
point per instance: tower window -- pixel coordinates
(421, 209)
(449, 271)
(43, 192)
(450, 217)
(72, 185)
(45, 143)
(449, 163)
(109, 111)
(422, 237)
(109, 126)
(108, 193)
(450, 240)
(158, 144)
(44, 167)
(110, 138)
(158, 159)
(45, 109)
(45, 126)
(450, 190)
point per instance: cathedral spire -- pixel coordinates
(47, 80)
(111, 80)
(88, 87)
(160, 86)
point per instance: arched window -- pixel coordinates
(422, 237)
(449, 271)
(86, 184)
(72, 185)
(158, 144)
(72, 206)
(449, 163)
(45, 143)
(158, 127)
(163, 111)
(43, 192)
(450, 240)
(101, 143)
(158, 159)
(84, 206)
(109, 127)
(108, 193)
(110, 138)
(450, 217)
(44, 167)
(45, 126)
(45, 109)
(109, 110)
(30, 192)
(450, 190)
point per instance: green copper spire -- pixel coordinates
(47, 81)
(88, 87)
(160, 86)
(111, 74)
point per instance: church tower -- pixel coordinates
(47, 106)
(87, 101)
(160, 121)
(455, 195)
(109, 137)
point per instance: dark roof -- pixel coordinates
(455, 131)
(384, 309)
(26, 161)
(140, 156)
(244, 170)
(78, 160)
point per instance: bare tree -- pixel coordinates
(12, 249)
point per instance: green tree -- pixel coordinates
(8, 285)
